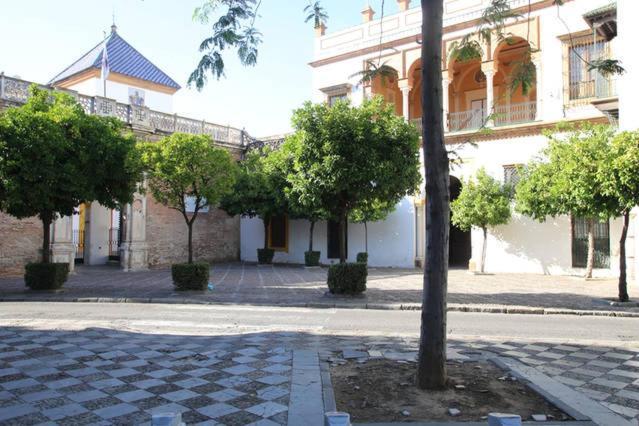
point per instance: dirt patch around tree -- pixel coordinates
(385, 391)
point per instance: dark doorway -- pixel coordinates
(459, 246)
(333, 239)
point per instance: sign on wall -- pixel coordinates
(136, 97)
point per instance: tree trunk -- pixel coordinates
(365, 237)
(267, 222)
(342, 235)
(483, 250)
(190, 226)
(310, 239)
(46, 236)
(431, 368)
(591, 248)
(623, 284)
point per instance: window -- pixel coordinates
(334, 98)
(511, 174)
(583, 83)
(278, 233)
(580, 243)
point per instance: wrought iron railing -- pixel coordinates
(114, 243)
(467, 120)
(78, 241)
(14, 90)
(524, 112)
(600, 87)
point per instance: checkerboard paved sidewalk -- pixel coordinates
(104, 376)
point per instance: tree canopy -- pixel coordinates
(54, 157)
(188, 173)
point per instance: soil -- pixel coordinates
(384, 390)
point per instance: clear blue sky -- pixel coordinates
(42, 37)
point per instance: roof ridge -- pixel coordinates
(54, 79)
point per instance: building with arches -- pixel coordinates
(477, 95)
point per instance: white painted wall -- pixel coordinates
(390, 242)
(157, 101)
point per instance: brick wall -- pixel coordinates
(216, 236)
(20, 242)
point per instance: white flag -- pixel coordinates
(105, 62)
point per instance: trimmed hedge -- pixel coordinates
(347, 278)
(312, 258)
(190, 276)
(362, 257)
(265, 256)
(45, 276)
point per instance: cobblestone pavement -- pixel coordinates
(296, 286)
(104, 376)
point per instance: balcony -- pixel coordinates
(506, 115)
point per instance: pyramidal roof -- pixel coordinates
(123, 59)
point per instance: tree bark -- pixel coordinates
(266, 221)
(431, 368)
(365, 237)
(190, 226)
(483, 250)
(310, 239)
(623, 284)
(342, 235)
(591, 248)
(46, 219)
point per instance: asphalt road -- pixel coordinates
(233, 319)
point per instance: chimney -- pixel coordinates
(368, 13)
(320, 30)
(404, 5)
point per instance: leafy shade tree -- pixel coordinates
(349, 156)
(188, 173)
(483, 202)
(372, 210)
(54, 157)
(620, 180)
(567, 181)
(258, 191)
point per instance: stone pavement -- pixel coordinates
(280, 285)
(73, 375)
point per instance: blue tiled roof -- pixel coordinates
(123, 59)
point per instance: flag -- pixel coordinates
(105, 62)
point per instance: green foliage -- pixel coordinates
(190, 276)
(54, 157)
(184, 166)
(348, 156)
(465, 50)
(567, 179)
(347, 278)
(372, 210)
(619, 178)
(312, 258)
(265, 256)
(45, 276)
(362, 257)
(374, 70)
(316, 13)
(483, 202)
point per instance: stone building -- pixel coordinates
(144, 233)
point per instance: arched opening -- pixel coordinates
(459, 242)
(467, 95)
(415, 98)
(388, 87)
(512, 57)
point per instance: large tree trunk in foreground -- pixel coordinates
(266, 221)
(591, 248)
(623, 284)
(310, 239)
(342, 235)
(483, 250)
(46, 236)
(365, 237)
(190, 226)
(431, 368)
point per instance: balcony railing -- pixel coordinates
(16, 91)
(467, 120)
(524, 112)
(598, 88)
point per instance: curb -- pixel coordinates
(453, 307)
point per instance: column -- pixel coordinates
(134, 249)
(404, 86)
(538, 87)
(63, 249)
(489, 71)
(445, 99)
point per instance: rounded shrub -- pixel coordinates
(347, 278)
(265, 256)
(362, 257)
(46, 276)
(190, 276)
(312, 258)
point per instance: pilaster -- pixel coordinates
(63, 249)
(134, 249)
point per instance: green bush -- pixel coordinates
(362, 257)
(312, 258)
(190, 276)
(347, 278)
(265, 256)
(45, 276)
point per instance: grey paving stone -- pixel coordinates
(267, 409)
(159, 374)
(122, 372)
(115, 410)
(225, 395)
(13, 411)
(18, 384)
(134, 395)
(233, 381)
(179, 395)
(274, 379)
(86, 396)
(149, 383)
(190, 383)
(217, 410)
(64, 411)
(59, 384)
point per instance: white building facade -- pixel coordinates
(564, 91)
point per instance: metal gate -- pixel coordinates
(580, 243)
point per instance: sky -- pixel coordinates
(42, 37)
